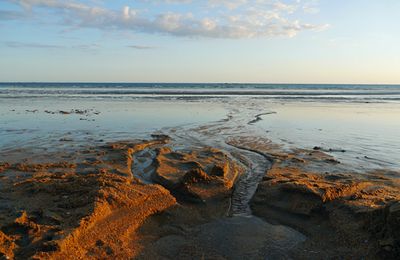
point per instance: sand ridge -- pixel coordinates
(77, 210)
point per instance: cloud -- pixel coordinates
(233, 4)
(224, 19)
(24, 45)
(10, 15)
(141, 47)
(32, 45)
(311, 7)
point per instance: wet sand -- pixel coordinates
(216, 190)
(98, 206)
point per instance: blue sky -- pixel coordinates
(266, 41)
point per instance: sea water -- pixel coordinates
(360, 124)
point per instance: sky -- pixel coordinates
(237, 41)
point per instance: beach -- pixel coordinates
(91, 171)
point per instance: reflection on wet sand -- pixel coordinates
(205, 190)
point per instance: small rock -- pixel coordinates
(332, 161)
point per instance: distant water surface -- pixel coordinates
(303, 92)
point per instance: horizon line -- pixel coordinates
(160, 82)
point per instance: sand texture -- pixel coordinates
(152, 199)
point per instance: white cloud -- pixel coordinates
(224, 19)
(230, 4)
(311, 7)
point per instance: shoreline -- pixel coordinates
(332, 127)
(214, 188)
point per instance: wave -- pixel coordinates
(378, 93)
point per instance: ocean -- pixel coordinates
(300, 92)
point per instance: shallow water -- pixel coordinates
(366, 136)
(25, 122)
(330, 117)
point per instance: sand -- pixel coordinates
(152, 199)
(86, 209)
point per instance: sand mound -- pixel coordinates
(86, 209)
(343, 214)
(195, 175)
